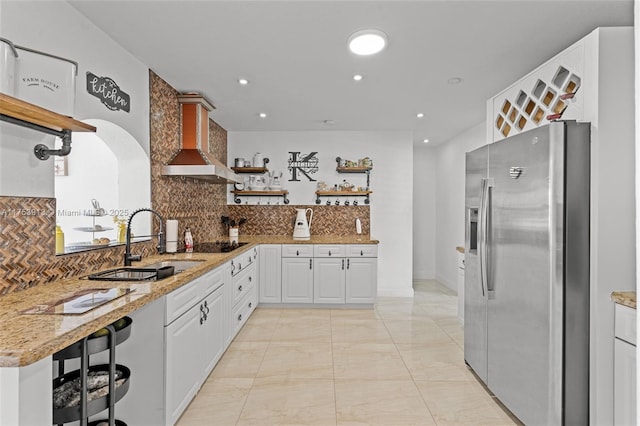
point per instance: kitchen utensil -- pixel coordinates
(302, 228)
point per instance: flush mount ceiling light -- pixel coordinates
(426, 141)
(263, 115)
(367, 42)
(420, 115)
(243, 81)
(454, 80)
(357, 77)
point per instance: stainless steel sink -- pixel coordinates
(126, 273)
(178, 265)
(122, 274)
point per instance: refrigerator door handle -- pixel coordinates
(485, 201)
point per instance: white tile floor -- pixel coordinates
(398, 364)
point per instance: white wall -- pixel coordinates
(424, 212)
(637, 104)
(391, 182)
(450, 177)
(58, 29)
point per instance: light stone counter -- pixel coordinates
(315, 239)
(626, 298)
(25, 339)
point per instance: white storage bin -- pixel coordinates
(7, 67)
(46, 80)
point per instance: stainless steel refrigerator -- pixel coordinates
(526, 317)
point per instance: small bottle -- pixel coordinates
(59, 240)
(188, 241)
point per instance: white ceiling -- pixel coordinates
(295, 55)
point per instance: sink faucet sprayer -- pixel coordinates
(128, 257)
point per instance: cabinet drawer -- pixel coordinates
(181, 299)
(211, 281)
(297, 250)
(243, 309)
(243, 261)
(329, 250)
(362, 250)
(625, 323)
(243, 283)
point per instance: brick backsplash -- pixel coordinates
(278, 220)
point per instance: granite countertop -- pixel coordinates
(626, 298)
(315, 239)
(27, 338)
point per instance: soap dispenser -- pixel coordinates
(188, 241)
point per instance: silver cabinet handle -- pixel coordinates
(348, 263)
(249, 279)
(250, 304)
(343, 264)
(240, 317)
(329, 252)
(310, 261)
(297, 253)
(361, 253)
(239, 288)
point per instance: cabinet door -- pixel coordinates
(212, 329)
(183, 363)
(270, 273)
(362, 280)
(624, 385)
(329, 280)
(297, 280)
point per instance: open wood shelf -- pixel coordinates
(255, 170)
(281, 193)
(30, 113)
(353, 169)
(340, 193)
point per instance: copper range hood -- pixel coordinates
(194, 160)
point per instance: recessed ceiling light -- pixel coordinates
(243, 81)
(357, 77)
(426, 141)
(367, 42)
(263, 115)
(420, 115)
(329, 122)
(454, 80)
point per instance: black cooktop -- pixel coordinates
(216, 247)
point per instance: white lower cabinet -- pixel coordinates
(271, 273)
(243, 292)
(184, 359)
(329, 273)
(329, 280)
(624, 390)
(361, 280)
(297, 280)
(194, 340)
